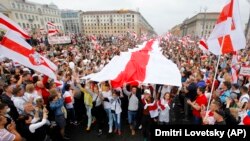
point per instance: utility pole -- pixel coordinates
(204, 21)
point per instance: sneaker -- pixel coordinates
(99, 133)
(88, 129)
(140, 127)
(76, 123)
(110, 130)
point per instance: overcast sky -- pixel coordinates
(161, 14)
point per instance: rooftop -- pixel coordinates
(122, 11)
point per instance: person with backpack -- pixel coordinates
(133, 105)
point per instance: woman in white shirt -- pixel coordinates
(164, 106)
(106, 97)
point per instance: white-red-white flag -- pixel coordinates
(145, 65)
(52, 29)
(203, 46)
(228, 35)
(14, 47)
(7, 24)
(152, 107)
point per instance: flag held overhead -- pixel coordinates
(228, 35)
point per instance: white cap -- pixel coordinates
(26, 69)
(147, 91)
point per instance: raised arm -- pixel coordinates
(125, 90)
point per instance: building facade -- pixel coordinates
(115, 23)
(176, 30)
(31, 15)
(72, 21)
(200, 25)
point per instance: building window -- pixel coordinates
(18, 6)
(28, 26)
(25, 16)
(19, 24)
(36, 18)
(21, 16)
(13, 5)
(16, 15)
(24, 25)
(29, 16)
(33, 17)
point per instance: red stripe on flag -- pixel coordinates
(12, 45)
(135, 69)
(226, 12)
(227, 45)
(53, 31)
(12, 27)
(203, 44)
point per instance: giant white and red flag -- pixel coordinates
(52, 29)
(145, 65)
(8, 24)
(14, 47)
(228, 35)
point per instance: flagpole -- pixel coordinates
(216, 71)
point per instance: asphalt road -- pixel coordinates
(78, 133)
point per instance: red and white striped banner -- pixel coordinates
(7, 24)
(17, 49)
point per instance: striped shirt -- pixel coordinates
(6, 135)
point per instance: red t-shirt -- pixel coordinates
(200, 100)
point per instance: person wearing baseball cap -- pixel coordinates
(150, 113)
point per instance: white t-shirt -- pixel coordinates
(28, 96)
(244, 98)
(19, 103)
(108, 95)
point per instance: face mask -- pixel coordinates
(8, 110)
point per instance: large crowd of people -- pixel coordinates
(35, 107)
